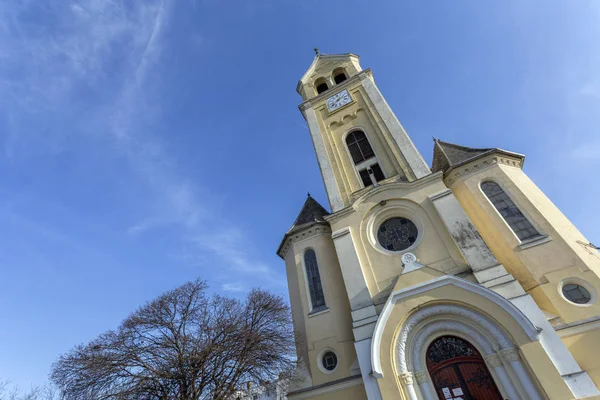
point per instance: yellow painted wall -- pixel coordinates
(435, 248)
(541, 268)
(352, 393)
(584, 348)
(328, 330)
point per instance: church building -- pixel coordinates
(460, 280)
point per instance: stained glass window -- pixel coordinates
(448, 347)
(397, 234)
(576, 293)
(315, 288)
(329, 361)
(509, 211)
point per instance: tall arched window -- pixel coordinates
(509, 211)
(364, 159)
(315, 288)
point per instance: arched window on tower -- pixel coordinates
(321, 85)
(339, 76)
(364, 159)
(317, 299)
(509, 211)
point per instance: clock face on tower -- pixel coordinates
(338, 100)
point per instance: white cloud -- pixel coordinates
(587, 152)
(110, 51)
(235, 287)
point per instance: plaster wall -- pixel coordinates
(356, 392)
(328, 329)
(580, 346)
(434, 247)
(537, 266)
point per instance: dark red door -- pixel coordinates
(459, 372)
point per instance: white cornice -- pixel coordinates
(381, 188)
(316, 229)
(579, 327)
(482, 162)
(340, 86)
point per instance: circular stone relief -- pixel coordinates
(576, 293)
(397, 234)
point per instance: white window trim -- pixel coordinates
(508, 193)
(394, 211)
(363, 164)
(308, 297)
(320, 360)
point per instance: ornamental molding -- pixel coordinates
(313, 231)
(346, 117)
(448, 309)
(510, 355)
(406, 378)
(478, 165)
(384, 186)
(422, 377)
(435, 310)
(493, 360)
(431, 331)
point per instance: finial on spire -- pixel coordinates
(317, 52)
(307, 194)
(434, 139)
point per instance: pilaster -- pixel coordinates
(492, 275)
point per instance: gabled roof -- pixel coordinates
(447, 155)
(312, 213)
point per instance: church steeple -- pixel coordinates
(358, 140)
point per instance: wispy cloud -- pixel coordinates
(92, 67)
(587, 152)
(234, 287)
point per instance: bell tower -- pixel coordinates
(358, 140)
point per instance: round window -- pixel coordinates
(576, 293)
(329, 360)
(397, 234)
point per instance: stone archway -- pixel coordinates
(499, 356)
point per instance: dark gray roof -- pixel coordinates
(447, 155)
(312, 212)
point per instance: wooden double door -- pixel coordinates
(459, 372)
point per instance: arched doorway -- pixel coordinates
(458, 371)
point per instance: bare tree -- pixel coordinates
(45, 392)
(183, 345)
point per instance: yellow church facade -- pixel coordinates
(459, 280)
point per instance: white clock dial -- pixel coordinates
(338, 100)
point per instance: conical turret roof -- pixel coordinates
(311, 213)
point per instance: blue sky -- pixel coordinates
(146, 143)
